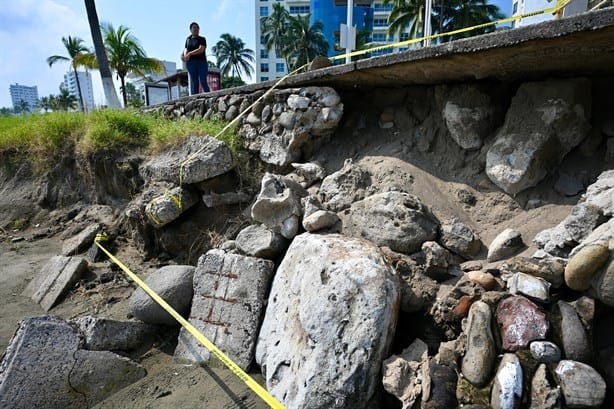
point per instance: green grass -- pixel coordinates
(42, 137)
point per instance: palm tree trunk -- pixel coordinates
(101, 55)
(79, 89)
(123, 82)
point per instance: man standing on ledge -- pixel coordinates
(196, 59)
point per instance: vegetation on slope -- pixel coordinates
(42, 138)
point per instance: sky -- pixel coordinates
(32, 30)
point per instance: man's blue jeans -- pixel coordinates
(198, 70)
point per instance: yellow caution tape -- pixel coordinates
(559, 5)
(240, 373)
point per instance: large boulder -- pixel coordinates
(198, 158)
(278, 205)
(393, 219)
(43, 367)
(469, 115)
(174, 285)
(329, 323)
(342, 188)
(601, 193)
(545, 121)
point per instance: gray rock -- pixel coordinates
(507, 388)
(229, 298)
(555, 241)
(258, 241)
(545, 351)
(278, 205)
(297, 102)
(584, 264)
(543, 394)
(43, 368)
(169, 206)
(601, 193)
(309, 172)
(545, 121)
(549, 268)
(481, 352)
(582, 220)
(329, 316)
(507, 243)
(101, 334)
(581, 385)
(576, 345)
(174, 285)
(469, 116)
(402, 375)
(54, 280)
(603, 233)
(81, 241)
(320, 219)
(344, 187)
(534, 288)
(437, 260)
(311, 204)
(100, 374)
(459, 238)
(393, 219)
(197, 159)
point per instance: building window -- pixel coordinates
(404, 37)
(279, 67)
(264, 67)
(380, 22)
(262, 40)
(264, 11)
(379, 37)
(515, 8)
(264, 78)
(381, 7)
(299, 9)
(264, 54)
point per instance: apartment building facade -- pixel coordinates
(24, 93)
(87, 89)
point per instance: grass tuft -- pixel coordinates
(43, 137)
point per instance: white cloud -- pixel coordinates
(31, 31)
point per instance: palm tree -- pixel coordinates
(232, 56)
(4, 111)
(305, 42)
(101, 55)
(65, 100)
(459, 14)
(274, 29)
(44, 103)
(22, 106)
(406, 13)
(126, 56)
(78, 54)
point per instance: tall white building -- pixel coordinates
(24, 93)
(269, 65)
(87, 90)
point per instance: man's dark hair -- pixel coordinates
(194, 23)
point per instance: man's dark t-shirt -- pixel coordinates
(192, 44)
